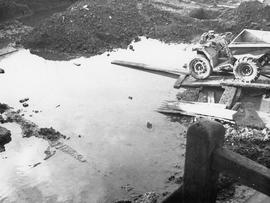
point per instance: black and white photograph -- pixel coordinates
(134, 101)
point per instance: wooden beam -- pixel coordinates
(166, 110)
(227, 97)
(234, 83)
(213, 81)
(207, 110)
(151, 69)
(198, 108)
(247, 171)
(200, 180)
(7, 50)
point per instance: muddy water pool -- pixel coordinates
(104, 109)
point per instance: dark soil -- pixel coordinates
(3, 108)
(252, 15)
(91, 27)
(16, 16)
(10, 9)
(5, 137)
(50, 134)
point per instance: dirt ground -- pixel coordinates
(91, 27)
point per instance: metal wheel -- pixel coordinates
(246, 69)
(200, 67)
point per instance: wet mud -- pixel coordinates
(30, 129)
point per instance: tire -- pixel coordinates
(200, 67)
(246, 69)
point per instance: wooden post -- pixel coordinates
(245, 170)
(200, 180)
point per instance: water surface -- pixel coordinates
(90, 102)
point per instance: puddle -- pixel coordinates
(106, 111)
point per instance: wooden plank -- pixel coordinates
(151, 69)
(213, 110)
(204, 105)
(7, 50)
(179, 81)
(234, 83)
(228, 96)
(172, 107)
(213, 81)
(247, 171)
(207, 110)
(166, 110)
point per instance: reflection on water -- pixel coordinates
(90, 104)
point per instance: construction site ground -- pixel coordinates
(107, 28)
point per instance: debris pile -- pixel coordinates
(249, 142)
(249, 14)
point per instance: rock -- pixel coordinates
(131, 48)
(3, 107)
(2, 70)
(149, 125)
(25, 105)
(5, 136)
(24, 100)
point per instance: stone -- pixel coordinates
(5, 136)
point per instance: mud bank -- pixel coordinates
(18, 17)
(91, 27)
(11, 9)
